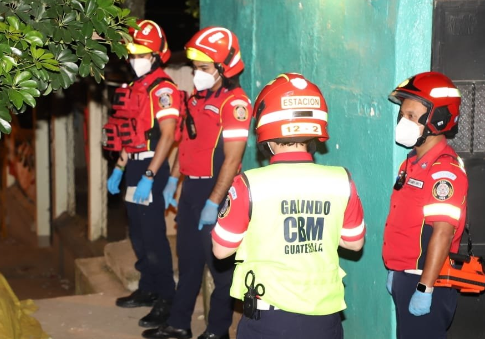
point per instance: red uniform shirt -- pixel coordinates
(229, 231)
(164, 97)
(435, 189)
(163, 103)
(224, 113)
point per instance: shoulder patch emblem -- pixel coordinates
(241, 113)
(225, 208)
(165, 100)
(443, 190)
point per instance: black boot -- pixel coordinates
(158, 315)
(137, 299)
(208, 335)
(165, 332)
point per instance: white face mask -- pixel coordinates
(203, 80)
(407, 132)
(141, 66)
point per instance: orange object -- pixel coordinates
(463, 272)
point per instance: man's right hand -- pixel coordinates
(114, 181)
(169, 192)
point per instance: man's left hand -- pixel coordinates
(143, 189)
(420, 303)
(209, 214)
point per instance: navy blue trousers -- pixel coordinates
(194, 249)
(432, 325)
(148, 232)
(278, 324)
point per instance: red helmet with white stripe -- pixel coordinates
(438, 93)
(218, 45)
(149, 39)
(290, 107)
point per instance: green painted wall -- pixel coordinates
(356, 51)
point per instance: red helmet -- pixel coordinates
(218, 45)
(290, 107)
(438, 93)
(149, 39)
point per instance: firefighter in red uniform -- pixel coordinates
(286, 221)
(428, 206)
(209, 156)
(142, 129)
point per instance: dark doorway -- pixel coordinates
(459, 52)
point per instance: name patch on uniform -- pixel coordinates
(225, 208)
(232, 192)
(300, 102)
(443, 190)
(165, 100)
(241, 113)
(415, 183)
(212, 108)
(443, 174)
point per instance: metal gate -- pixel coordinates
(459, 52)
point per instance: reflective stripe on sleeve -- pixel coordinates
(228, 236)
(353, 232)
(167, 112)
(235, 133)
(442, 209)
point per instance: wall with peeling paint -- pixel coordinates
(356, 51)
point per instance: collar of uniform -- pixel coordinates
(291, 157)
(209, 93)
(431, 155)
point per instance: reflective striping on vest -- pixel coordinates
(353, 232)
(442, 209)
(167, 112)
(288, 115)
(228, 236)
(235, 133)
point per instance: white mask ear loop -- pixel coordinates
(269, 146)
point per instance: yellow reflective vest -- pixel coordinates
(292, 237)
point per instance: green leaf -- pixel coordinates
(14, 22)
(99, 26)
(28, 83)
(119, 50)
(34, 38)
(27, 98)
(69, 18)
(68, 75)
(32, 91)
(97, 73)
(15, 97)
(5, 127)
(48, 90)
(87, 30)
(23, 76)
(7, 63)
(85, 67)
(66, 36)
(4, 113)
(112, 10)
(90, 7)
(77, 5)
(99, 58)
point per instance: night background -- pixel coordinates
(179, 26)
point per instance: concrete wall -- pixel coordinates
(356, 51)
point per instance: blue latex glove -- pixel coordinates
(209, 214)
(420, 303)
(169, 191)
(142, 191)
(114, 181)
(390, 275)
